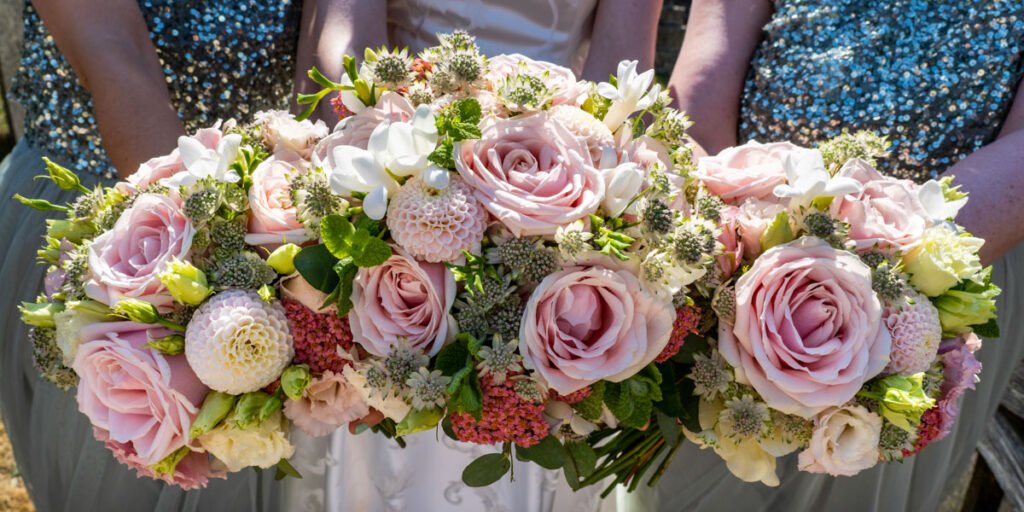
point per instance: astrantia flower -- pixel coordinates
(916, 333)
(427, 388)
(238, 343)
(573, 239)
(500, 359)
(710, 375)
(437, 225)
(744, 417)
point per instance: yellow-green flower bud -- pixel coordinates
(267, 293)
(778, 232)
(249, 410)
(40, 314)
(186, 283)
(901, 400)
(282, 259)
(170, 462)
(960, 309)
(137, 311)
(173, 345)
(215, 408)
(72, 231)
(294, 380)
(64, 178)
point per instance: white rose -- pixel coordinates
(844, 442)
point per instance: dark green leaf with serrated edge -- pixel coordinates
(670, 403)
(336, 232)
(590, 407)
(369, 251)
(486, 470)
(451, 358)
(470, 111)
(988, 330)
(692, 345)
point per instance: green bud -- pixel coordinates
(271, 406)
(901, 400)
(294, 380)
(63, 177)
(137, 311)
(40, 314)
(778, 232)
(267, 293)
(215, 408)
(960, 309)
(97, 309)
(170, 462)
(73, 231)
(173, 345)
(419, 420)
(186, 283)
(249, 409)
(282, 260)
(40, 204)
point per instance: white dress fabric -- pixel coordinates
(368, 472)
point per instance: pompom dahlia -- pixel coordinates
(506, 417)
(437, 225)
(237, 343)
(317, 337)
(596, 136)
(916, 333)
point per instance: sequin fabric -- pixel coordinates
(936, 76)
(221, 60)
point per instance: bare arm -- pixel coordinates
(707, 81)
(994, 176)
(107, 43)
(330, 29)
(623, 30)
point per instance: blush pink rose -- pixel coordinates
(137, 396)
(192, 472)
(402, 298)
(592, 322)
(560, 81)
(124, 262)
(752, 170)
(752, 220)
(356, 130)
(328, 403)
(887, 213)
(808, 328)
(732, 255)
(532, 174)
(272, 216)
(155, 169)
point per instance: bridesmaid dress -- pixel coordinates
(367, 472)
(937, 77)
(220, 60)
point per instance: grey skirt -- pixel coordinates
(64, 467)
(699, 480)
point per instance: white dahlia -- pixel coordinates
(916, 334)
(596, 136)
(437, 225)
(237, 343)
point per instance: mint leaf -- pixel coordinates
(346, 275)
(442, 156)
(469, 111)
(590, 407)
(336, 232)
(452, 358)
(316, 265)
(583, 457)
(368, 251)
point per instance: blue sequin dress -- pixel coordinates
(220, 60)
(938, 77)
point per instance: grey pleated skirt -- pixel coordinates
(699, 480)
(64, 467)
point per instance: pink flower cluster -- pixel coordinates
(317, 337)
(960, 372)
(506, 417)
(572, 398)
(686, 323)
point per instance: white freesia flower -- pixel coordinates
(808, 179)
(631, 93)
(357, 170)
(201, 162)
(622, 184)
(934, 202)
(348, 96)
(403, 147)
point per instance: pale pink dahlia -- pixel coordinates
(237, 342)
(595, 135)
(436, 225)
(317, 337)
(916, 333)
(506, 417)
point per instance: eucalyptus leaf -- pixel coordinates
(486, 470)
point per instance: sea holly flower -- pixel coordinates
(808, 179)
(202, 162)
(632, 92)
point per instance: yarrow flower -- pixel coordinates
(317, 337)
(237, 342)
(687, 321)
(427, 388)
(572, 398)
(500, 359)
(436, 225)
(506, 417)
(710, 375)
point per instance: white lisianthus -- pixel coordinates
(808, 179)
(942, 259)
(631, 93)
(201, 162)
(622, 184)
(844, 442)
(262, 445)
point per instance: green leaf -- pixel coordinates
(988, 330)
(547, 453)
(346, 276)
(692, 345)
(442, 156)
(369, 251)
(462, 131)
(451, 358)
(446, 427)
(458, 378)
(590, 407)
(470, 111)
(691, 406)
(316, 265)
(670, 403)
(486, 470)
(669, 428)
(285, 468)
(469, 397)
(318, 77)
(472, 344)
(336, 232)
(418, 420)
(583, 457)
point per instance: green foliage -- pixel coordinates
(457, 122)
(632, 400)
(590, 407)
(316, 265)
(486, 469)
(547, 454)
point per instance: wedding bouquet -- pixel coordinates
(492, 247)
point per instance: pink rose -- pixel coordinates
(808, 328)
(155, 169)
(136, 395)
(402, 298)
(753, 219)
(192, 472)
(592, 322)
(732, 256)
(356, 130)
(531, 174)
(560, 81)
(328, 403)
(885, 214)
(282, 132)
(124, 262)
(272, 217)
(748, 171)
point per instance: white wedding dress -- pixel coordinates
(367, 472)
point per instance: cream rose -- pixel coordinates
(261, 446)
(942, 259)
(844, 442)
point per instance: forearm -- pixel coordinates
(623, 30)
(330, 29)
(707, 81)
